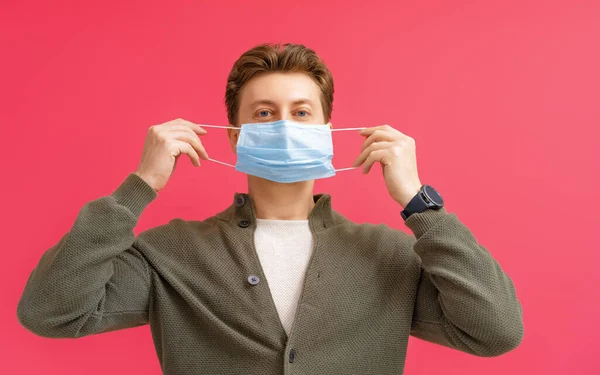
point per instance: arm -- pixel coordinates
(94, 279)
(464, 299)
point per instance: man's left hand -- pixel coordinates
(396, 153)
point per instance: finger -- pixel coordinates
(179, 147)
(199, 148)
(386, 128)
(372, 158)
(373, 147)
(168, 128)
(369, 131)
(179, 123)
(193, 140)
(167, 131)
(378, 136)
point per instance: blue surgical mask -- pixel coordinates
(285, 151)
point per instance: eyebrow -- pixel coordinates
(272, 103)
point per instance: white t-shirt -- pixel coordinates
(284, 248)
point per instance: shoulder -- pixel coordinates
(376, 239)
(391, 249)
(178, 234)
(368, 229)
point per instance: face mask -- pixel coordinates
(285, 151)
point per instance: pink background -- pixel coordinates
(502, 98)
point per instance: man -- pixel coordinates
(278, 282)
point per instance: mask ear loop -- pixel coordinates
(220, 162)
(342, 129)
(219, 127)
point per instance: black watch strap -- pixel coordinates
(426, 198)
(416, 204)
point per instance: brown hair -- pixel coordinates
(285, 58)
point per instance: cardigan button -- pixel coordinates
(253, 279)
(240, 200)
(292, 355)
(244, 223)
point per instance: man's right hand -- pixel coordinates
(163, 146)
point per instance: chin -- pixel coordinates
(297, 183)
(264, 181)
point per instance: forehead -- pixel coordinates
(280, 88)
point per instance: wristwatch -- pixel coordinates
(426, 198)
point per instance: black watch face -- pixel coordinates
(433, 195)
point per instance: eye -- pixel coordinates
(302, 113)
(264, 113)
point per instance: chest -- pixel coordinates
(223, 281)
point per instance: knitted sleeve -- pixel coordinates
(94, 279)
(464, 300)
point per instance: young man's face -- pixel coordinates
(279, 96)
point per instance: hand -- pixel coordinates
(164, 144)
(396, 153)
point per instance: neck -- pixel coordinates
(277, 201)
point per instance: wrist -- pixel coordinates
(426, 198)
(407, 196)
(147, 180)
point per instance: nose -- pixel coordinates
(284, 115)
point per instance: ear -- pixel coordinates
(233, 135)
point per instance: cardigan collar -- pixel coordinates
(241, 212)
